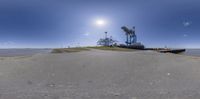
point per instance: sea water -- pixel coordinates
(192, 52)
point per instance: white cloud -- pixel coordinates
(185, 35)
(7, 44)
(187, 23)
(86, 34)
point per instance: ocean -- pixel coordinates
(192, 52)
(22, 52)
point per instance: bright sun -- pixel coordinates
(100, 22)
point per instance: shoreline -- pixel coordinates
(49, 51)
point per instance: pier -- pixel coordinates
(176, 51)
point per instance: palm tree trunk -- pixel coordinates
(127, 39)
(130, 40)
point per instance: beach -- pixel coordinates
(98, 74)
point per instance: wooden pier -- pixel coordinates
(167, 50)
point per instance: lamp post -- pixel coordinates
(106, 34)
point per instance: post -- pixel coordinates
(106, 40)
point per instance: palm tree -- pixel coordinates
(130, 35)
(134, 36)
(127, 32)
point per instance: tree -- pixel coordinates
(106, 41)
(127, 32)
(130, 35)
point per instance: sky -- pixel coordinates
(63, 23)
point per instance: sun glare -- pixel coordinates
(100, 22)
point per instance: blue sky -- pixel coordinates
(62, 23)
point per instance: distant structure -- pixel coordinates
(106, 41)
(131, 38)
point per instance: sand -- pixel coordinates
(98, 74)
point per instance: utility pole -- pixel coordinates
(106, 40)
